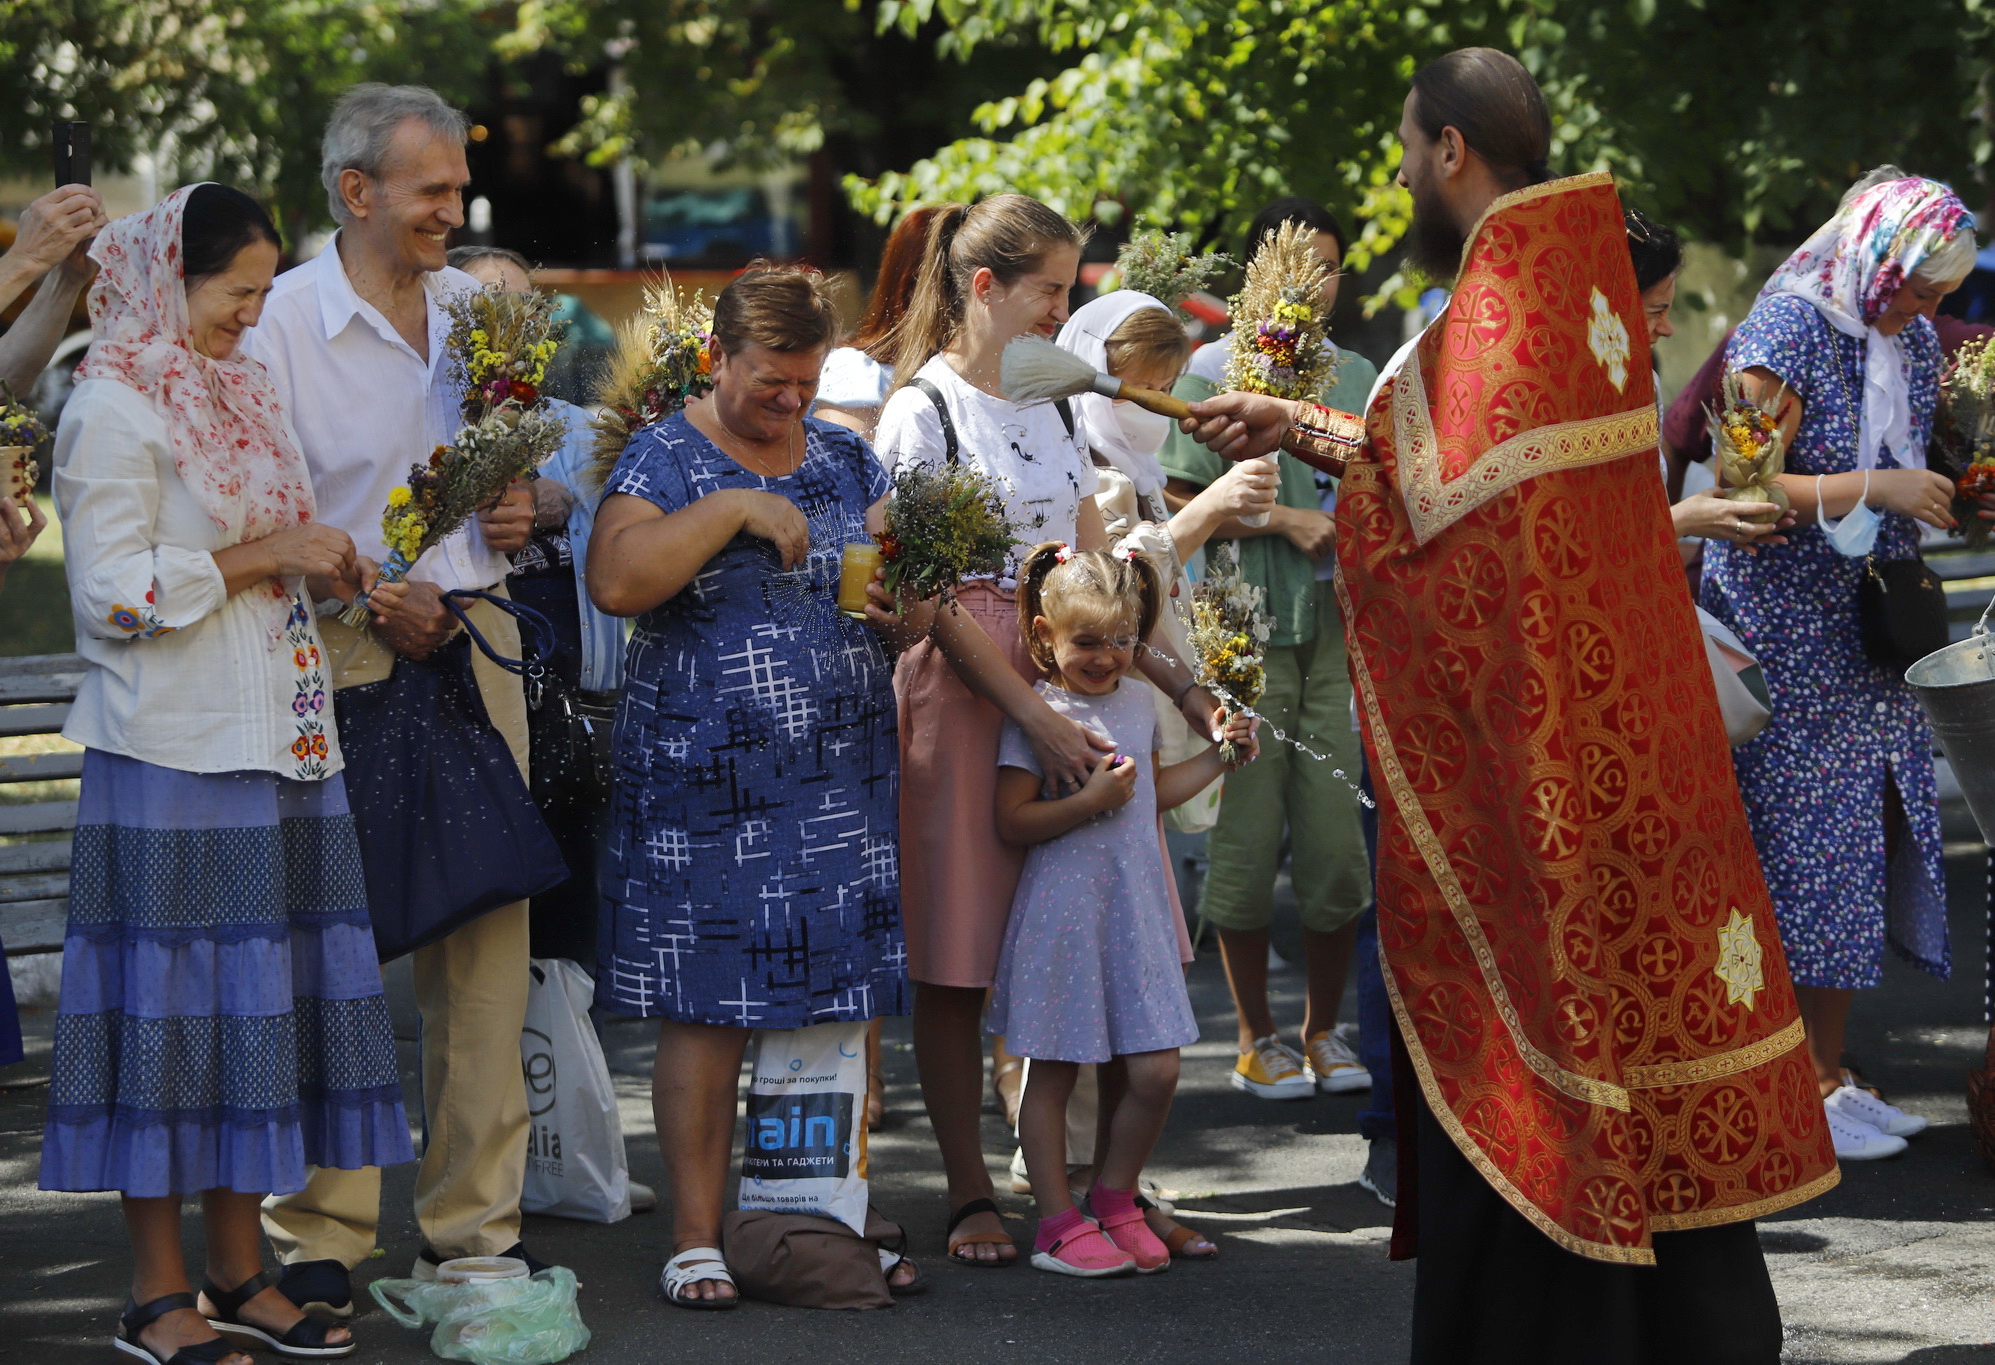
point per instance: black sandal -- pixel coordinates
(893, 1255)
(970, 1210)
(137, 1319)
(305, 1341)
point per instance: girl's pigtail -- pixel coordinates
(1031, 584)
(1145, 584)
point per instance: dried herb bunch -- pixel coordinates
(1228, 636)
(1168, 266)
(1964, 434)
(944, 525)
(1751, 453)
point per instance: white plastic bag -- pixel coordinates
(805, 1150)
(575, 1162)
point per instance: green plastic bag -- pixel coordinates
(532, 1320)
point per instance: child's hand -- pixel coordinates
(1242, 730)
(1112, 783)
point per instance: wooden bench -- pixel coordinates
(35, 696)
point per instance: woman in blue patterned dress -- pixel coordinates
(752, 874)
(1839, 786)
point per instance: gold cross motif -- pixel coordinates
(1607, 338)
(1738, 964)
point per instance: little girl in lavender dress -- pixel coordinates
(1090, 970)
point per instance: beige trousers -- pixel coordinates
(471, 992)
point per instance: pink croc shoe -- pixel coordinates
(1085, 1253)
(1132, 1234)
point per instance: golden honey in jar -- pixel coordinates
(855, 571)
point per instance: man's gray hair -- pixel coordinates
(363, 123)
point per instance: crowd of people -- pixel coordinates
(1602, 960)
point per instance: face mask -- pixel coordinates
(1856, 533)
(1144, 430)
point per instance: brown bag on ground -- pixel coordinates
(806, 1261)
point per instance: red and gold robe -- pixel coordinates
(1577, 939)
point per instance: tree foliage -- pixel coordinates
(234, 89)
(1733, 121)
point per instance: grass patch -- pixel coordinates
(34, 601)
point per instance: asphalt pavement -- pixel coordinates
(1894, 1265)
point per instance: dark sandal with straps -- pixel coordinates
(971, 1210)
(136, 1319)
(305, 1341)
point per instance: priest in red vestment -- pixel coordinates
(1606, 1077)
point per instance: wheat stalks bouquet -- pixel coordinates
(499, 346)
(1750, 451)
(1964, 432)
(1280, 324)
(663, 360)
(1229, 637)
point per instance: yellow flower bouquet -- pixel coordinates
(498, 348)
(1228, 636)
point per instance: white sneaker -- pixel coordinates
(1272, 1071)
(1334, 1067)
(1858, 1141)
(1865, 1107)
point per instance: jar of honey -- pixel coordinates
(855, 571)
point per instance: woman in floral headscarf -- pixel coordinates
(221, 1026)
(1839, 786)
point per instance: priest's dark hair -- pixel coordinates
(1654, 249)
(216, 223)
(1490, 99)
(1294, 209)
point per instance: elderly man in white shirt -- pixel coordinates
(355, 343)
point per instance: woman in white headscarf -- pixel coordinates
(1839, 786)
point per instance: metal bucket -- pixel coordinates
(1956, 685)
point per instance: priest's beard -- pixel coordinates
(1433, 244)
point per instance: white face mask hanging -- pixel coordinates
(1145, 431)
(1856, 533)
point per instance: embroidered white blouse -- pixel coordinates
(182, 675)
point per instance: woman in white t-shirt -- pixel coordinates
(988, 273)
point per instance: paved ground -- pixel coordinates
(1895, 1265)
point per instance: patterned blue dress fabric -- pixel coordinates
(221, 1023)
(752, 875)
(1844, 729)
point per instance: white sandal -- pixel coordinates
(687, 1269)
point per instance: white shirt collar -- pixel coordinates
(340, 303)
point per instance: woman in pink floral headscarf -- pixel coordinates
(221, 1027)
(1840, 786)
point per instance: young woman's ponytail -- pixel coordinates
(1007, 234)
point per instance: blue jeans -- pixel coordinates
(1375, 1024)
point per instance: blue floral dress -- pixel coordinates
(751, 877)
(1844, 729)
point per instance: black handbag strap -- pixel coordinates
(949, 443)
(537, 641)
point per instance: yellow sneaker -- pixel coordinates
(1272, 1071)
(1333, 1066)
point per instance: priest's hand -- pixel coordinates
(1240, 426)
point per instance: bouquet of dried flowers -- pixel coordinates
(498, 347)
(20, 432)
(663, 360)
(1228, 636)
(1751, 453)
(1279, 322)
(944, 525)
(1964, 434)
(1167, 266)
